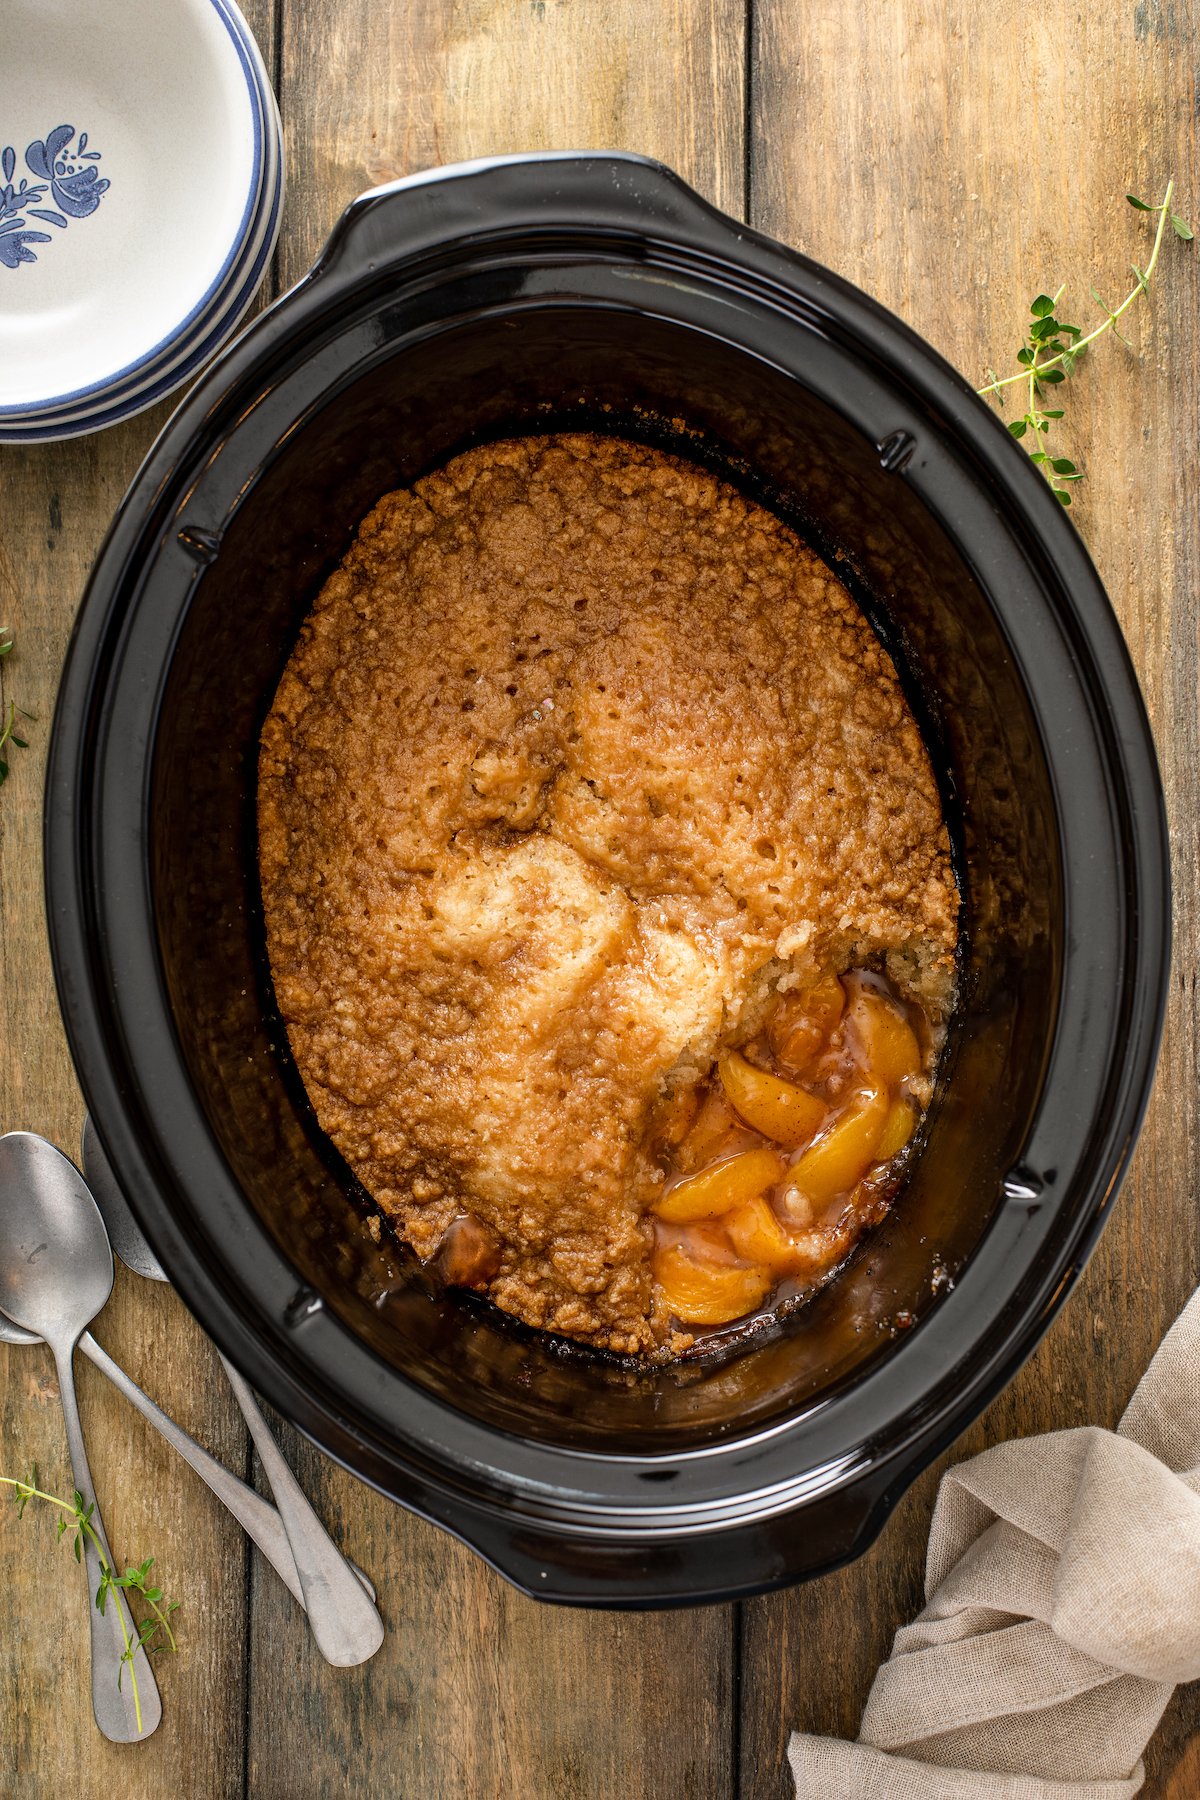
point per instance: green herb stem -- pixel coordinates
(1052, 348)
(1053, 362)
(81, 1515)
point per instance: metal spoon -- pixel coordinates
(56, 1272)
(343, 1618)
(257, 1517)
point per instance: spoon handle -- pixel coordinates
(113, 1700)
(342, 1617)
(256, 1516)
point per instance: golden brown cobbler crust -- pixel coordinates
(578, 752)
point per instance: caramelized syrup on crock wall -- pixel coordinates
(776, 1165)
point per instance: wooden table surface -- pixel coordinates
(952, 159)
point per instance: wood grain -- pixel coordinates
(955, 160)
(951, 159)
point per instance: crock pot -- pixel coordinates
(597, 290)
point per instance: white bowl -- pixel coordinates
(182, 357)
(128, 248)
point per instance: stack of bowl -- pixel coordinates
(141, 180)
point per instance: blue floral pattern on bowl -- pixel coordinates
(69, 176)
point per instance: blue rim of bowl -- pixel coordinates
(109, 409)
(248, 56)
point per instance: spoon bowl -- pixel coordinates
(56, 1267)
(124, 1233)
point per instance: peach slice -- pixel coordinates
(757, 1235)
(706, 1293)
(816, 1251)
(469, 1254)
(889, 1046)
(844, 1152)
(803, 1021)
(720, 1187)
(715, 1132)
(897, 1129)
(779, 1109)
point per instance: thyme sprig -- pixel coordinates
(1053, 348)
(9, 717)
(75, 1516)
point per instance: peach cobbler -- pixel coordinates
(607, 891)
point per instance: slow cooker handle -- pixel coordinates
(556, 192)
(592, 1569)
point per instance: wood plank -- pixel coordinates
(57, 503)
(478, 1691)
(954, 161)
(370, 96)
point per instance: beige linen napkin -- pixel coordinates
(1062, 1592)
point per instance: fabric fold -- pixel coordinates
(1062, 1591)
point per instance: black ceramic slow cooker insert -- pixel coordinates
(525, 295)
